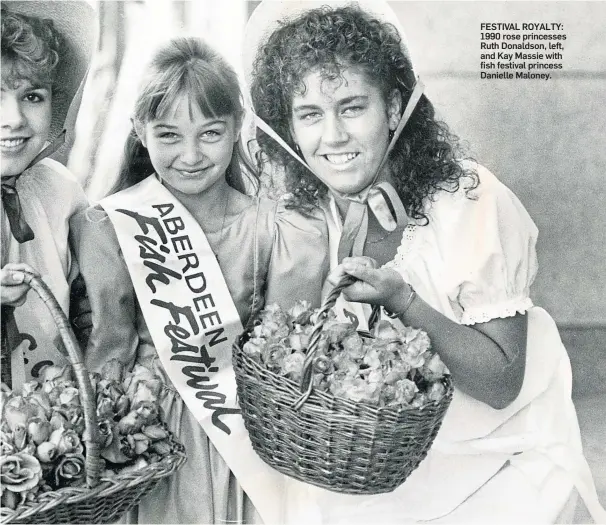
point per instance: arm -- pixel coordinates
(112, 299)
(299, 261)
(486, 360)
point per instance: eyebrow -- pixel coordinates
(341, 102)
(29, 87)
(207, 124)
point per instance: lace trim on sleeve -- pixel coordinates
(406, 245)
(483, 314)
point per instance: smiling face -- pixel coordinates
(25, 117)
(342, 127)
(190, 152)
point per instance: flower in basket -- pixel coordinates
(38, 430)
(57, 374)
(17, 412)
(67, 441)
(19, 473)
(113, 371)
(46, 452)
(392, 367)
(70, 470)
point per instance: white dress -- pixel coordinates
(473, 262)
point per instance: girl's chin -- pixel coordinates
(348, 189)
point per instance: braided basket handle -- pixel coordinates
(87, 397)
(306, 384)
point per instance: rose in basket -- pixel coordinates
(391, 368)
(41, 433)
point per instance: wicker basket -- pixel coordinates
(102, 500)
(328, 441)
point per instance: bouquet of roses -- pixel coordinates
(393, 367)
(41, 431)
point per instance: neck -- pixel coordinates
(342, 201)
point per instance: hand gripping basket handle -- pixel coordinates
(87, 398)
(306, 384)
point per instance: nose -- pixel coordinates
(334, 131)
(191, 154)
(11, 113)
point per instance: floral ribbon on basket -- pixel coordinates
(381, 197)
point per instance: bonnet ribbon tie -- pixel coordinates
(381, 198)
(10, 196)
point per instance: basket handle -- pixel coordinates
(87, 397)
(306, 383)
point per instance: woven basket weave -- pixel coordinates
(331, 442)
(102, 500)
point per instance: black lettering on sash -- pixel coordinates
(147, 248)
(144, 223)
(161, 273)
(192, 286)
(177, 311)
(214, 340)
(174, 225)
(178, 335)
(188, 264)
(164, 209)
(211, 400)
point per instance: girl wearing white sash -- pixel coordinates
(339, 108)
(184, 156)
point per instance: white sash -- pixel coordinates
(193, 322)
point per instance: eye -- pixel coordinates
(212, 135)
(353, 110)
(167, 136)
(34, 97)
(309, 117)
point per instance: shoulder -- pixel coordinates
(489, 196)
(92, 227)
(53, 173)
(310, 220)
(55, 186)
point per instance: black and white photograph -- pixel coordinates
(293, 262)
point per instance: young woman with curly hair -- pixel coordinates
(341, 113)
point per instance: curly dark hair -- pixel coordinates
(31, 48)
(426, 157)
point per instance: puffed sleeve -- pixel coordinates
(488, 245)
(110, 290)
(299, 260)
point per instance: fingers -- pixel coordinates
(13, 273)
(14, 295)
(368, 262)
(362, 271)
(335, 275)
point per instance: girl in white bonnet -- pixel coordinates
(46, 48)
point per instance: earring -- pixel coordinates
(298, 150)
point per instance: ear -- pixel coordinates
(394, 109)
(139, 128)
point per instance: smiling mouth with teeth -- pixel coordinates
(12, 143)
(340, 158)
